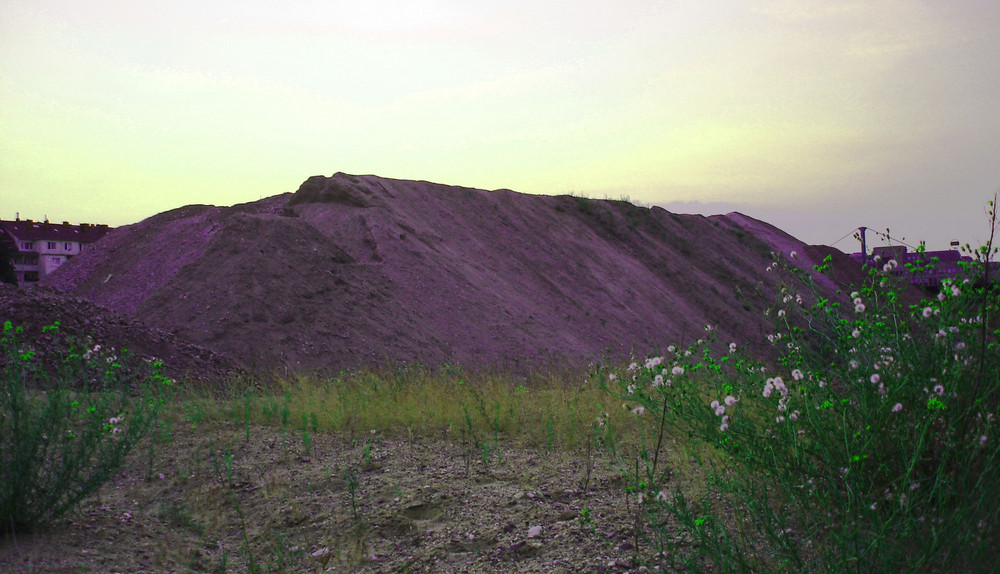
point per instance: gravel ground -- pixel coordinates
(368, 504)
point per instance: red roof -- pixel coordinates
(25, 230)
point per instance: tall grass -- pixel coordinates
(552, 411)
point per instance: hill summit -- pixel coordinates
(360, 270)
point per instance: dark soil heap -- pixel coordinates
(82, 326)
(360, 270)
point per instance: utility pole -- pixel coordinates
(864, 247)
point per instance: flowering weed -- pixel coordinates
(869, 445)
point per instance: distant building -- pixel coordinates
(927, 269)
(41, 247)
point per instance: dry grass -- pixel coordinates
(556, 411)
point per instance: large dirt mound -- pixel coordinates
(356, 270)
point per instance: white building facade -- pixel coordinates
(39, 248)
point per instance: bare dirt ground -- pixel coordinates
(422, 504)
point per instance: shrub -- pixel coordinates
(870, 446)
(59, 443)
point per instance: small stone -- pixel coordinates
(534, 531)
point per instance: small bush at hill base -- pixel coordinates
(871, 446)
(60, 442)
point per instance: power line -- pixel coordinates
(849, 233)
(884, 236)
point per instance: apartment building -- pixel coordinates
(39, 248)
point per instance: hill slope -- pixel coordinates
(355, 270)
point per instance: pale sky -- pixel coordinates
(816, 116)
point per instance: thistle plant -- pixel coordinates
(869, 445)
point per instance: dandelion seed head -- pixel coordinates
(730, 400)
(797, 374)
(677, 370)
(875, 378)
(897, 407)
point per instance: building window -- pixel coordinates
(52, 244)
(31, 275)
(68, 246)
(27, 245)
